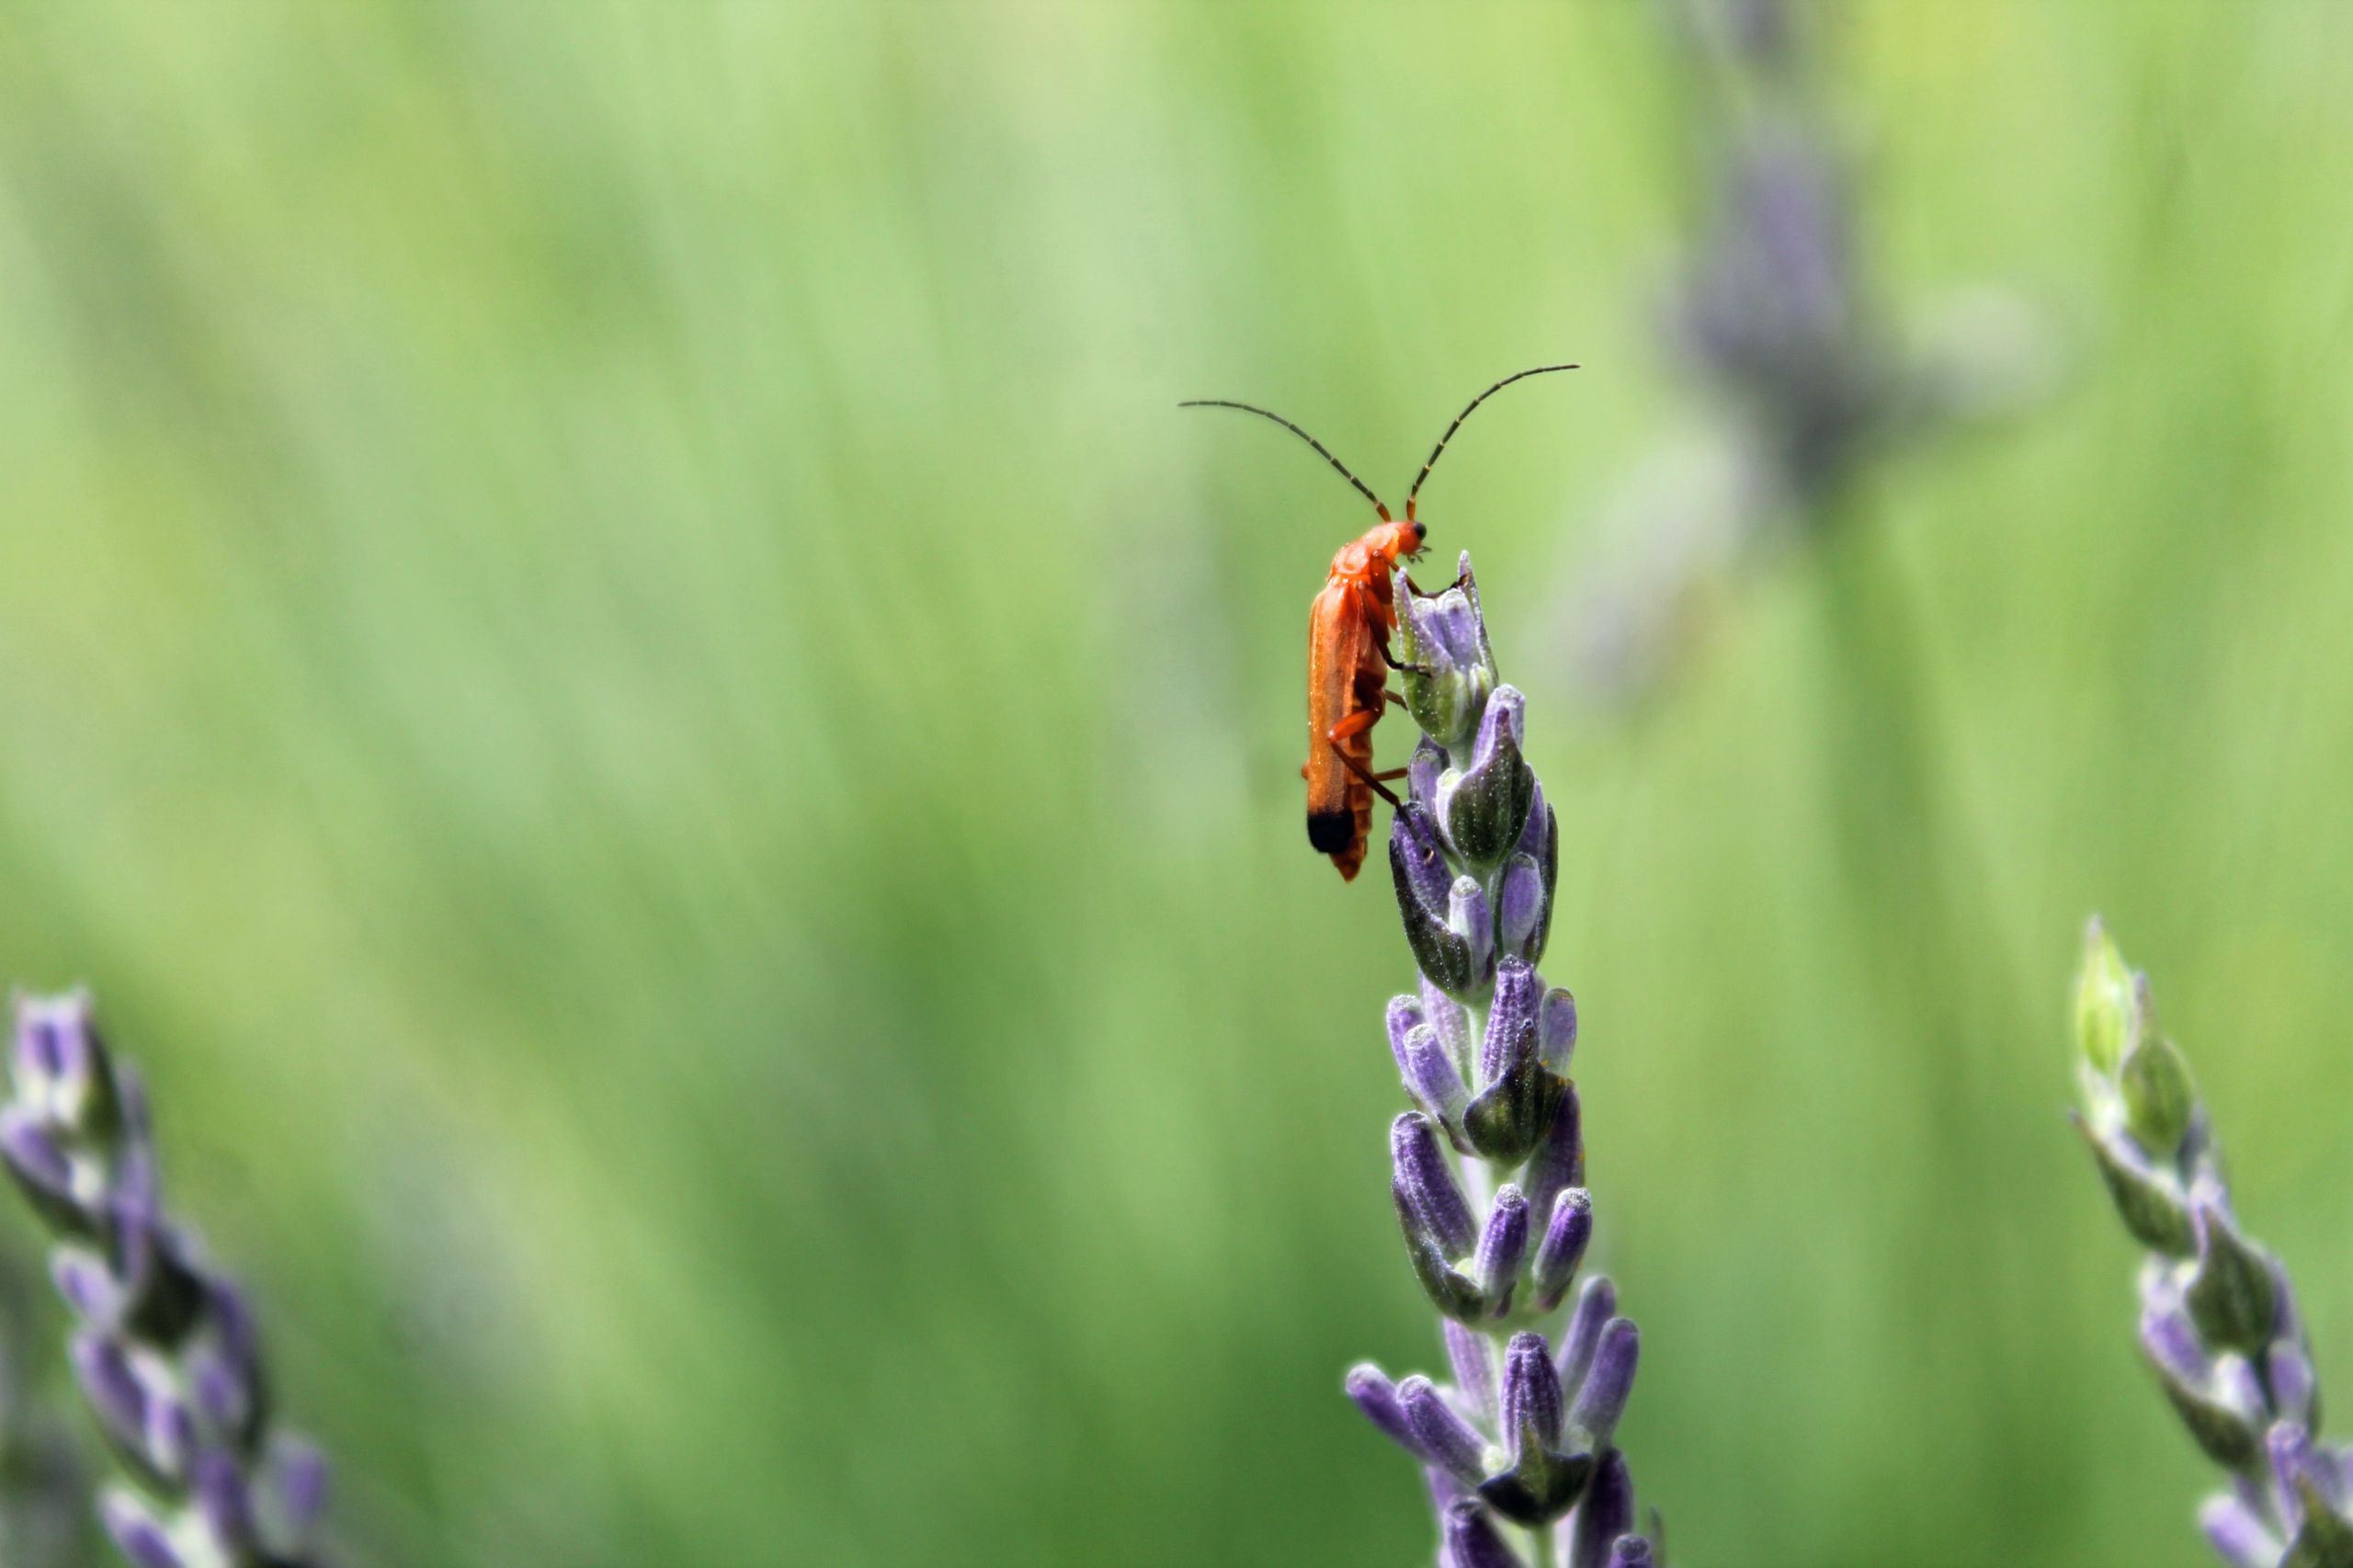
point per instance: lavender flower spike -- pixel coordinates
(1488, 1172)
(165, 1352)
(2218, 1323)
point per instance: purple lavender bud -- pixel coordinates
(1519, 993)
(1404, 1015)
(2294, 1389)
(1418, 852)
(1431, 1079)
(1597, 1306)
(1422, 769)
(1601, 1399)
(87, 1286)
(2308, 1477)
(1483, 808)
(1449, 670)
(2172, 1344)
(43, 1170)
(171, 1433)
(2237, 1535)
(1559, 1162)
(1452, 1021)
(40, 1054)
(1563, 1249)
(1473, 1541)
(1533, 1404)
(1630, 1552)
(116, 1395)
(1556, 1030)
(1471, 917)
(221, 1497)
(1502, 1247)
(2231, 1297)
(1374, 1394)
(1541, 842)
(301, 1480)
(61, 1068)
(1521, 907)
(137, 1534)
(1445, 1436)
(1452, 951)
(1469, 1352)
(1606, 1513)
(1428, 1201)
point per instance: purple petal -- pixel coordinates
(1602, 1398)
(1605, 1511)
(137, 1534)
(1520, 905)
(1374, 1394)
(1473, 1541)
(1556, 1030)
(1469, 1352)
(1427, 1198)
(1518, 992)
(304, 1480)
(2236, 1535)
(2172, 1343)
(1563, 1249)
(1445, 1436)
(1596, 1305)
(1431, 1079)
(1532, 1397)
(1452, 1021)
(1421, 852)
(113, 1389)
(1502, 1247)
(1559, 1160)
(1469, 916)
(222, 1498)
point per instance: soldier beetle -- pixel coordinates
(1348, 661)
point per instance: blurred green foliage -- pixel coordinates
(621, 672)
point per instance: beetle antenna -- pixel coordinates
(1458, 418)
(1362, 488)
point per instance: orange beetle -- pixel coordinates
(1348, 661)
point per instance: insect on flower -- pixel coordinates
(1348, 660)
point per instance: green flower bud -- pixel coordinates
(2105, 1007)
(2158, 1095)
(1449, 670)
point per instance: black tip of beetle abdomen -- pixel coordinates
(1331, 832)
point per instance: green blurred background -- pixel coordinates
(621, 672)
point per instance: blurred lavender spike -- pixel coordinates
(2217, 1321)
(1802, 379)
(1488, 1172)
(166, 1351)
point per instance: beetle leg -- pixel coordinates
(1459, 579)
(1356, 723)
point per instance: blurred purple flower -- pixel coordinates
(1774, 316)
(165, 1352)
